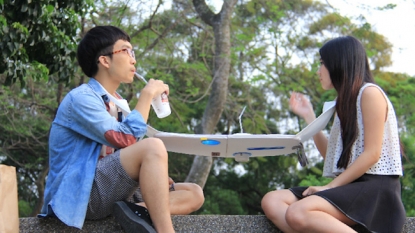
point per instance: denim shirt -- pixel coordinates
(82, 125)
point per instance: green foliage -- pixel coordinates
(39, 32)
(400, 89)
(408, 184)
(312, 180)
(244, 184)
(272, 54)
(25, 120)
(222, 201)
(332, 22)
(388, 6)
(24, 209)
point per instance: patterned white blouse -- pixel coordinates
(390, 158)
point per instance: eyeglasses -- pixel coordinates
(301, 154)
(128, 50)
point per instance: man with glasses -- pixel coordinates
(97, 166)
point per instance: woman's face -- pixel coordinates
(324, 76)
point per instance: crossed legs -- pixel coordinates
(147, 162)
(310, 214)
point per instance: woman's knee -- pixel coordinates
(270, 203)
(275, 199)
(295, 216)
(267, 200)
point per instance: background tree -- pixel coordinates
(273, 50)
(36, 35)
(220, 23)
(37, 40)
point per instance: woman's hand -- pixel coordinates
(314, 189)
(301, 106)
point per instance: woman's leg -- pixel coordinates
(275, 205)
(316, 214)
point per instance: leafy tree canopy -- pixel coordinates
(38, 38)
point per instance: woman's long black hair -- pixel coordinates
(347, 63)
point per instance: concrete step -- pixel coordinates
(182, 224)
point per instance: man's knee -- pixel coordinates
(198, 195)
(154, 147)
(146, 151)
(148, 148)
(195, 192)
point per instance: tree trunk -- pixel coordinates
(221, 27)
(40, 184)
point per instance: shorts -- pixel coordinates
(111, 184)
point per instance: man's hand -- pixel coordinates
(171, 181)
(171, 184)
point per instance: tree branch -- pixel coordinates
(150, 22)
(204, 11)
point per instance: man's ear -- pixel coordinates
(104, 61)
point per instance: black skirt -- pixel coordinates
(373, 201)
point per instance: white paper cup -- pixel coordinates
(161, 106)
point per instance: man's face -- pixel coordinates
(122, 63)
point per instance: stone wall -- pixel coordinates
(182, 224)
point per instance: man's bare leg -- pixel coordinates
(185, 199)
(146, 162)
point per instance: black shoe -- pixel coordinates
(133, 218)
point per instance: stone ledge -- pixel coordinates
(182, 224)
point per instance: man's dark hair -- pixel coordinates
(98, 41)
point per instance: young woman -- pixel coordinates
(362, 154)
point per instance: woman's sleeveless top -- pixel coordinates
(390, 158)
